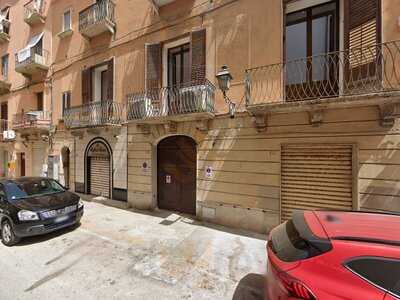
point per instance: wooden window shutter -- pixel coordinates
(363, 23)
(362, 34)
(110, 78)
(153, 65)
(198, 56)
(87, 85)
(4, 111)
(66, 101)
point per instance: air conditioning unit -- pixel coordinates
(8, 134)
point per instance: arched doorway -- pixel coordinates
(98, 169)
(176, 174)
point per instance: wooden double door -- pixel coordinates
(176, 174)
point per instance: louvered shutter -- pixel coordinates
(66, 101)
(198, 56)
(316, 176)
(153, 66)
(100, 176)
(110, 78)
(87, 85)
(4, 111)
(362, 34)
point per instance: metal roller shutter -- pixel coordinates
(316, 176)
(100, 176)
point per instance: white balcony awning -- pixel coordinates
(3, 16)
(158, 3)
(26, 52)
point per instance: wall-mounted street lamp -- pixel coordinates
(224, 78)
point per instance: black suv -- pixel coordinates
(32, 206)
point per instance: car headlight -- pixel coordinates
(26, 215)
(80, 204)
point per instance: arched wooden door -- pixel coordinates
(176, 174)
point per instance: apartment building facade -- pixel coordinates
(25, 99)
(136, 113)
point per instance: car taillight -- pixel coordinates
(295, 288)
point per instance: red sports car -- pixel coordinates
(325, 255)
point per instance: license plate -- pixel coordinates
(61, 219)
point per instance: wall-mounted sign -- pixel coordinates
(168, 179)
(98, 150)
(145, 167)
(209, 172)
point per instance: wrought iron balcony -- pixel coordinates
(97, 19)
(32, 122)
(34, 12)
(194, 100)
(102, 113)
(5, 85)
(34, 63)
(356, 72)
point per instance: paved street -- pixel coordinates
(119, 254)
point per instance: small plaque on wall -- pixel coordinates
(209, 172)
(145, 167)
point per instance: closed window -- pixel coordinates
(311, 32)
(179, 65)
(67, 20)
(382, 272)
(4, 66)
(66, 102)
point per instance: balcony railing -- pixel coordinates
(192, 98)
(93, 114)
(40, 120)
(34, 12)
(359, 71)
(36, 61)
(97, 18)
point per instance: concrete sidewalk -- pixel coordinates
(121, 254)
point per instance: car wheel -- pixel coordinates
(8, 236)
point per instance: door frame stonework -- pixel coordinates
(86, 163)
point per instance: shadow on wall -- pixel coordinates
(379, 173)
(250, 287)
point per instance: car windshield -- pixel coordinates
(32, 188)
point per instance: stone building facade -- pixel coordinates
(131, 108)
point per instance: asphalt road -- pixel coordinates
(119, 254)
